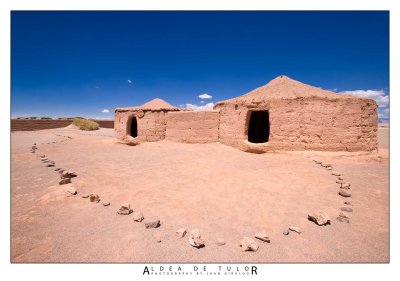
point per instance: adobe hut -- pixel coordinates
(134, 125)
(288, 115)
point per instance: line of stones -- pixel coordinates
(344, 191)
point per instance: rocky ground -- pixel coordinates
(218, 194)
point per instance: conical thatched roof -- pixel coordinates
(153, 105)
(284, 87)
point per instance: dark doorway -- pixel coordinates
(134, 127)
(259, 126)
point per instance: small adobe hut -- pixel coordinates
(134, 125)
(288, 115)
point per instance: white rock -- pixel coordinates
(262, 236)
(195, 239)
(345, 185)
(180, 233)
(125, 209)
(138, 216)
(295, 229)
(248, 244)
(221, 242)
(68, 174)
(320, 218)
(70, 189)
(345, 193)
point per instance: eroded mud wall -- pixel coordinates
(193, 126)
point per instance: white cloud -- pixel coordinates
(105, 111)
(208, 106)
(383, 113)
(202, 101)
(129, 81)
(379, 96)
(204, 96)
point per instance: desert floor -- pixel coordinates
(222, 191)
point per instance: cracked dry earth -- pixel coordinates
(223, 192)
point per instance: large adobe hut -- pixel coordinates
(147, 122)
(288, 115)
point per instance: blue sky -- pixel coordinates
(80, 63)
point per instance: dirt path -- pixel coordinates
(224, 192)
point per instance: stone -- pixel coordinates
(94, 198)
(61, 170)
(248, 244)
(70, 189)
(341, 219)
(340, 178)
(348, 203)
(317, 162)
(340, 182)
(325, 165)
(85, 196)
(153, 222)
(286, 231)
(57, 169)
(50, 164)
(346, 209)
(295, 229)
(262, 236)
(345, 185)
(64, 181)
(195, 239)
(345, 193)
(125, 209)
(329, 168)
(336, 174)
(221, 242)
(105, 204)
(138, 216)
(343, 215)
(180, 233)
(68, 174)
(320, 218)
(44, 159)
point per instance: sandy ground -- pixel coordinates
(223, 192)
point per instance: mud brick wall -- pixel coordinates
(193, 126)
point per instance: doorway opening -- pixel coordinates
(259, 127)
(133, 127)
